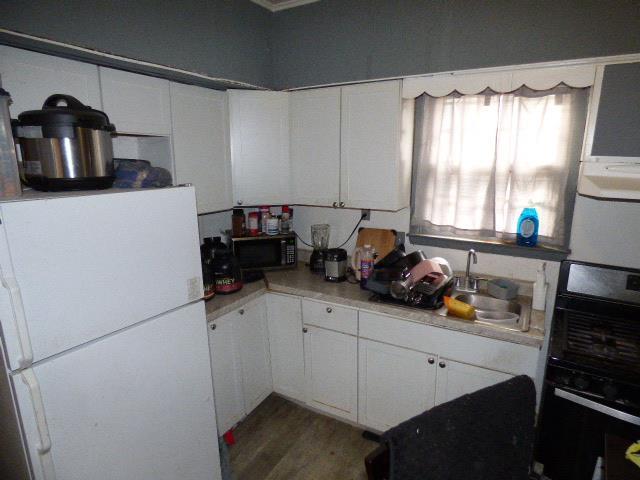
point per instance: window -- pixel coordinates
(480, 159)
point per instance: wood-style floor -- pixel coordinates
(283, 441)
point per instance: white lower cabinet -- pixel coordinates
(239, 348)
(455, 379)
(252, 335)
(331, 360)
(227, 373)
(286, 345)
(368, 368)
(394, 384)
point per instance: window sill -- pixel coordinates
(497, 247)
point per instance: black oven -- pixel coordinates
(266, 252)
(592, 379)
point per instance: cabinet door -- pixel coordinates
(226, 371)
(370, 175)
(331, 360)
(455, 379)
(252, 337)
(136, 103)
(31, 77)
(260, 147)
(395, 384)
(286, 345)
(200, 144)
(315, 146)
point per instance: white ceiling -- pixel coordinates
(275, 5)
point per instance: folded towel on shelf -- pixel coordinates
(132, 173)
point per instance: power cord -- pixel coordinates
(362, 217)
(300, 238)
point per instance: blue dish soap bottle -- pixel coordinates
(528, 223)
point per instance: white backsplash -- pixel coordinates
(212, 224)
(342, 222)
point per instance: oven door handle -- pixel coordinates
(598, 407)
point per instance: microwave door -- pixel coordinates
(258, 253)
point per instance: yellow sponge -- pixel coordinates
(459, 309)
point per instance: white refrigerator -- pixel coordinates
(105, 370)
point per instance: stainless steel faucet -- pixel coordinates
(468, 283)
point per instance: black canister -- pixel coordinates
(335, 265)
(207, 250)
(226, 269)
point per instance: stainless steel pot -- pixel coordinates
(65, 147)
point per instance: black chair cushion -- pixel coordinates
(484, 435)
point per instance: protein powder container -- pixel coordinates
(226, 271)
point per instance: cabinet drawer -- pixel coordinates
(330, 316)
(463, 347)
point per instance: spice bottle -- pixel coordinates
(265, 214)
(254, 229)
(285, 220)
(237, 222)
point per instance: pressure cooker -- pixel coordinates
(65, 147)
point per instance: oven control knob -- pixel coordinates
(610, 391)
(581, 382)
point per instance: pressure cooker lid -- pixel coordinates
(73, 114)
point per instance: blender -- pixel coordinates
(320, 241)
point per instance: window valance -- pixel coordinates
(440, 85)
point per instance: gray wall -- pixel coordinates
(346, 40)
(220, 38)
(334, 40)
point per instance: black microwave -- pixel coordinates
(266, 252)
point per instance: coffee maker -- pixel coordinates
(320, 240)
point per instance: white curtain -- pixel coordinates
(480, 159)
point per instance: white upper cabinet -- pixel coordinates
(201, 144)
(31, 77)
(372, 173)
(136, 104)
(315, 146)
(260, 147)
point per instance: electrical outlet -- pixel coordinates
(366, 215)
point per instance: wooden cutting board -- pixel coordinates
(382, 239)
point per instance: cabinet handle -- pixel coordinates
(341, 204)
(329, 310)
(212, 326)
(431, 360)
(305, 330)
(241, 311)
(239, 202)
(442, 364)
(335, 204)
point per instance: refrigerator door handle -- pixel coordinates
(44, 444)
(20, 319)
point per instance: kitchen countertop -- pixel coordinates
(301, 282)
